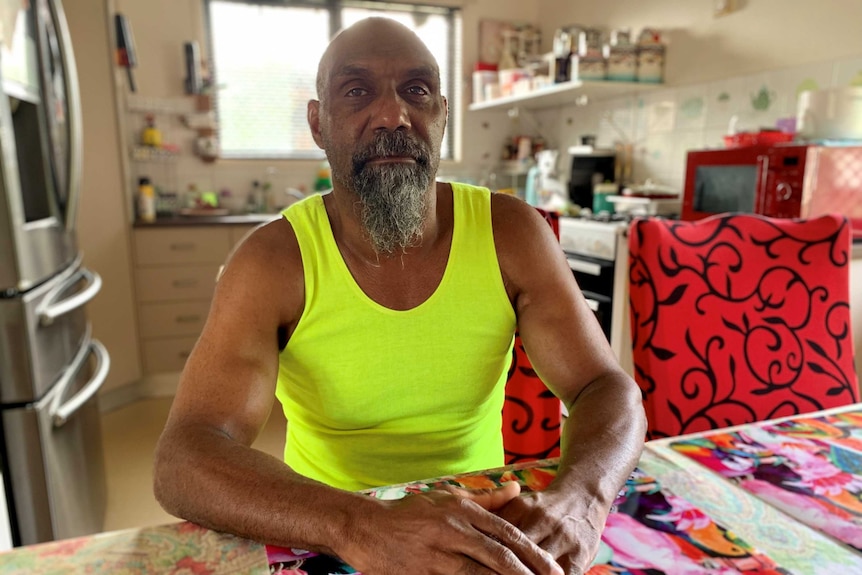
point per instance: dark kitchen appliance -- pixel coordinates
(589, 166)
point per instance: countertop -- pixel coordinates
(233, 219)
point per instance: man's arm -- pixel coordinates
(206, 471)
(604, 434)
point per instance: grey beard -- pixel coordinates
(393, 204)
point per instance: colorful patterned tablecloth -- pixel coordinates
(178, 549)
(652, 532)
(791, 487)
(689, 520)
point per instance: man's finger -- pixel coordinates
(490, 499)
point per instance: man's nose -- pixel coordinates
(391, 112)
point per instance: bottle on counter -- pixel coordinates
(255, 202)
(146, 201)
(324, 178)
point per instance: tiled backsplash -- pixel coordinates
(665, 123)
(178, 171)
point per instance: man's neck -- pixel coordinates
(343, 209)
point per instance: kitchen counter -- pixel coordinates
(233, 219)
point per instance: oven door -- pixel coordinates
(595, 277)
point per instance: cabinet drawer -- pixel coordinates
(167, 355)
(196, 282)
(181, 246)
(173, 319)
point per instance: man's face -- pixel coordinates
(381, 120)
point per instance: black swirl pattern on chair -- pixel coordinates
(531, 413)
(738, 318)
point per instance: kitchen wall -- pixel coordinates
(103, 228)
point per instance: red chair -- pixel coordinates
(531, 413)
(738, 318)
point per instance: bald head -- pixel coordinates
(368, 39)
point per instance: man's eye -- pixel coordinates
(418, 90)
(353, 92)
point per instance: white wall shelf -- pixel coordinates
(565, 94)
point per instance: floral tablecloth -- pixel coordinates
(673, 516)
(178, 549)
(652, 530)
(791, 487)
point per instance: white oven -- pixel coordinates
(597, 253)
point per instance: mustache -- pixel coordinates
(391, 144)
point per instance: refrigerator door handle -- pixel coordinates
(60, 413)
(50, 310)
(76, 133)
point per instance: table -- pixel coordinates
(675, 515)
(762, 479)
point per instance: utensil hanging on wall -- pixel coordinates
(193, 71)
(126, 53)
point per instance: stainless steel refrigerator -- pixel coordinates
(50, 366)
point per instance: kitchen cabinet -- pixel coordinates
(175, 275)
(565, 94)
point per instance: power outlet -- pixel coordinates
(723, 7)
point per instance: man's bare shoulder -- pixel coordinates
(528, 252)
(267, 265)
(518, 226)
(272, 243)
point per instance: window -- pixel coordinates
(265, 55)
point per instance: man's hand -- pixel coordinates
(571, 536)
(444, 532)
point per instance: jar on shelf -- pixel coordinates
(622, 57)
(651, 56)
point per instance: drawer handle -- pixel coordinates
(185, 283)
(188, 318)
(183, 247)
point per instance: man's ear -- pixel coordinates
(313, 114)
(445, 113)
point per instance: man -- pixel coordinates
(381, 315)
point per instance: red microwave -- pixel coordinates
(765, 180)
(782, 181)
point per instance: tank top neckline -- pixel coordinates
(357, 290)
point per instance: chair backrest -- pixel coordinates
(532, 417)
(531, 413)
(738, 318)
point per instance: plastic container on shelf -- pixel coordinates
(484, 74)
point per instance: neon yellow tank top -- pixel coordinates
(375, 396)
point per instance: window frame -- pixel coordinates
(334, 7)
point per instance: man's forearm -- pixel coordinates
(602, 439)
(205, 477)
